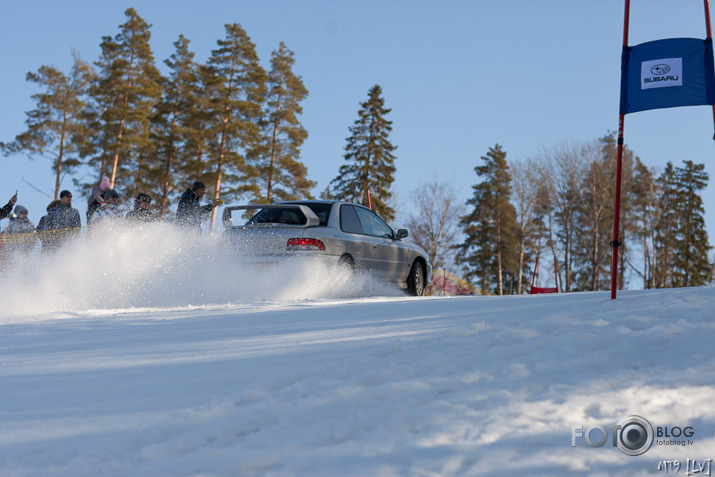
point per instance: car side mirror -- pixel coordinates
(402, 233)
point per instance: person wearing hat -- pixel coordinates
(20, 224)
(43, 226)
(190, 211)
(95, 198)
(7, 208)
(63, 217)
(142, 212)
(109, 210)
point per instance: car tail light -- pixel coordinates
(305, 244)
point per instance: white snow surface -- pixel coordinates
(139, 353)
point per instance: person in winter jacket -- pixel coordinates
(20, 223)
(62, 221)
(7, 208)
(23, 231)
(95, 198)
(109, 210)
(190, 212)
(142, 212)
(46, 237)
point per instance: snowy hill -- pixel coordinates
(296, 377)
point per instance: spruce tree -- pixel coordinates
(666, 229)
(369, 168)
(237, 91)
(125, 94)
(56, 122)
(692, 267)
(490, 250)
(283, 175)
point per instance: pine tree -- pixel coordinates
(238, 89)
(55, 123)
(125, 95)
(692, 267)
(173, 120)
(368, 171)
(199, 132)
(490, 249)
(283, 174)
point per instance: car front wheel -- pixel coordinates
(416, 280)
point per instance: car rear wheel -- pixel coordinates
(347, 263)
(416, 280)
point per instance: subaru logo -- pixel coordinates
(660, 69)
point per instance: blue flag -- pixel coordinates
(666, 74)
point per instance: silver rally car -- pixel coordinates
(338, 232)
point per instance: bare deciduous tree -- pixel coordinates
(568, 168)
(525, 187)
(435, 225)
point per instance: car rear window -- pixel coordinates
(292, 215)
(279, 215)
(322, 210)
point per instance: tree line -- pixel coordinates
(227, 121)
(236, 126)
(560, 204)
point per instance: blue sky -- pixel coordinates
(460, 76)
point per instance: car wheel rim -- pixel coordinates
(419, 281)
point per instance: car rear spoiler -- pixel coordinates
(312, 219)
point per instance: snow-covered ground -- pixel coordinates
(137, 354)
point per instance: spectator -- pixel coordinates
(109, 210)
(46, 238)
(24, 238)
(95, 198)
(141, 212)
(190, 211)
(19, 224)
(5, 211)
(62, 219)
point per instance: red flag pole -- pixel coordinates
(619, 166)
(709, 36)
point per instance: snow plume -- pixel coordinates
(115, 266)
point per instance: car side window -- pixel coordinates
(372, 224)
(349, 221)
